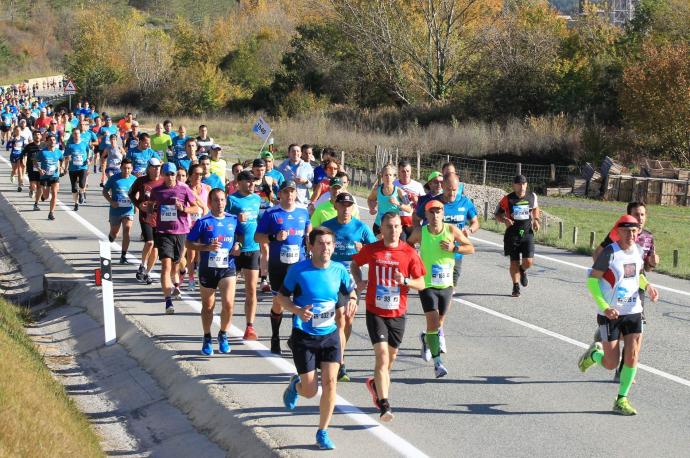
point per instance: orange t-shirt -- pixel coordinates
(124, 126)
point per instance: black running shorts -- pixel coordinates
(516, 246)
(276, 275)
(169, 245)
(611, 330)
(389, 330)
(436, 299)
(309, 351)
(210, 277)
(248, 260)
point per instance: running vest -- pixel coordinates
(384, 204)
(620, 284)
(438, 262)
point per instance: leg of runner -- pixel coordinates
(127, 223)
(227, 295)
(263, 269)
(515, 277)
(54, 188)
(166, 283)
(329, 372)
(385, 356)
(251, 277)
(526, 264)
(208, 303)
(73, 177)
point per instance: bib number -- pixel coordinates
(324, 314)
(520, 212)
(168, 213)
(77, 160)
(441, 275)
(388, 297)
(289, 254)
(51, 170)
(219, 259)
(123, 201)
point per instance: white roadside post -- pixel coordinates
(107, 292)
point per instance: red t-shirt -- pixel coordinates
(384, 298)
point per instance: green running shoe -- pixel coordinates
(622, 406)
(586, 361)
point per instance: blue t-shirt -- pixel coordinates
(119, 191)
(105, 132)
(345, 237)
(50, 162)
(15, 146)
(319, 174)
(277, 176)
(296, 223)
(173, 135)
(7, 118)
(318, 288)
(238, 203)
(458, 213)
(214, 182)
(140, 159)
(179, 153)
(208, 228)
(88, 136)
(78, 154)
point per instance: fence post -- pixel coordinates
(396, 157)
(553, 172)
(486, 211)
(518, 169)
(369, 172)
(342, 159)
(545, 225)
(675, 258)
(592, 237)
(560, 230)
(447, 157)
(575, 235)
(484, 172)
(419, 165)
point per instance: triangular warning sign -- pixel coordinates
(70, 86)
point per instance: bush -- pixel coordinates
(299, 103)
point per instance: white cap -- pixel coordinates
(135, 123)
(154, 161)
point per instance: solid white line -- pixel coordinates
(555, 335)
(387, 436)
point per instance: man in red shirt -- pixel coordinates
(394, 268)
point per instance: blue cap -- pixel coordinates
(168, 167)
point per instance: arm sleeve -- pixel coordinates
(643, 281)
(595, 291)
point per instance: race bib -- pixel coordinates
(77, 159)
(181, 154)
(441, 275)
(123, 201)
(168, 213)
(289, 254)
(36, 167)
(324, 314)
(114, 162)
(388, 297)
(51, 169)
(219, 259)
(520, 212)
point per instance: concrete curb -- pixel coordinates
(197, 400)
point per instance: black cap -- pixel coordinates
(258, 162)
(203, 157)
(519, 179)
(344, 197)
(245, 175)
(288, 184)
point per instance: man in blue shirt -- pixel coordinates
(214, 236)
(245, 204)
(116, 192)
(285, 228)
(271, 171)
(50, 163)
(77, 151)
(314, 285)
(141, 154)
(209, 178)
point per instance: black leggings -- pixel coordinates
(77, 174)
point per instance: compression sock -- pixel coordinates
(440, 332)
(263, 278)
(627, 377)
(276, 319)
(111, 239)
(207, 336)
(597, 356)
(432, 341)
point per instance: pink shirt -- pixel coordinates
(170, 220)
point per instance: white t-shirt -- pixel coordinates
(413, 190)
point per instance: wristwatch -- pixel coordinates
(406, 281)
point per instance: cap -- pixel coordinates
(135, 123)
(623, 221)
(288, 184)
(168, 167)
(154, 162)
(50, 135)
(433, 175)
(108, 118)
(345, 197)
(435, 203)
(519, 179)
(203, 157)
(258, 162)
(266, 155)
(43, 110)
(216, 146)
(245, 175)
(335, 182)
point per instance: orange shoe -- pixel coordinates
(250, 334)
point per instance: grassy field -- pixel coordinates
(37, 417)
(668, 224)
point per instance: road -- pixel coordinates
(513, 385)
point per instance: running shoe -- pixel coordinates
(51, 216)
(265, 286)
(191, 284)
(250, 334)
(140, 273)
(176, 292)
(147, 279)
(586, 361)
(19, 189)
(290, 394)
(123, 259)
(275, 346)
(440, 370)
(622, 406)
(516, 290)
(523, 277)
(343, 376)
(386, 411)
(323, 441)
(425, 352)
(36, 208)
(169, 306)
(371, 386)
(223, 343)
(83, 198)
(207, 346)
(442, 343)
(76, 207)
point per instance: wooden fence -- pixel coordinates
(659, 191)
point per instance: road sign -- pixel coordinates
(70, 87)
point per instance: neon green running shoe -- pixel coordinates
(622, 406)
(586, 361)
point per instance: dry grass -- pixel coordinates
(37, 417)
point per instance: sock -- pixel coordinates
(440, 332)
(627, 377)
(516, 284)
(124, 254)
(222, 333)
(383, 403)
(437, 359)
(276, 319)
(141, 267)
(250, 325)
(597, 356)
(111, 239)
(432, 341)
(191, 274)
(177, 285)
(207, 335)
(263, 278)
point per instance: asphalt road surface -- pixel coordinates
(513, 386)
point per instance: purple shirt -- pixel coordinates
(170, 220)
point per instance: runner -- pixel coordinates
(614, 282)
(266, 188)
(320, 170)
(271, 171)
(50, 159)
(327, 210)
(116, 192)
(386, 197)
(162, 144)
(394, 267)
(131, 137)
(179, 146)
(188, 157)
(350, 235)
(91, 140)
(434, 188)
(214, 236)
(125, 124)
(218, 164)
(139, 194)
(77, 151)
(231, 186)
(439, 243)
(32, 166)
(203, 140)
(519, 211)
(315, 286)
(105, 142)
(295, 169)
(201, 191)
(285, 228)
(244, 204)
(172, 202)
(412, 189)
(321, 187)
(15, 145)
(209, 178)
(111, 158)
(141, 154)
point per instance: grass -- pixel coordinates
(37, 416)
(668, 224)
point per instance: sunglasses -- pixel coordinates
(170, 174)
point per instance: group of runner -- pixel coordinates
(294, 230)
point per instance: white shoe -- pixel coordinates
(425, 352)
(440, 370)
(442, 343)
(176, 292)
(191, 285)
